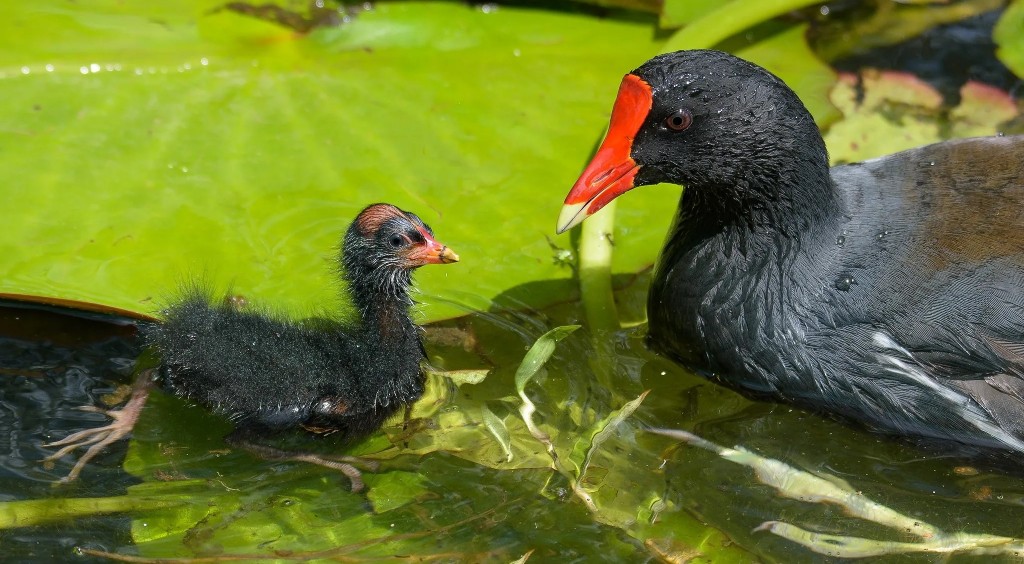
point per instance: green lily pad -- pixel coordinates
(148, 144)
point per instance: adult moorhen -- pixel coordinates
(889, 291)
(268, 374)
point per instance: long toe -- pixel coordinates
(79, 439)
(112, 434)
(101, 437)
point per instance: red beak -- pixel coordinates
(612, 171)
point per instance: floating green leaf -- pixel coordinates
(394, 489)
(889, 23)
(587, 445)
(496, 426)
(897, 111)
(1009, 36)
(538, 354)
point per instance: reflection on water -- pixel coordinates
(441, 490)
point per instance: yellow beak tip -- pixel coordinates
(571, 216)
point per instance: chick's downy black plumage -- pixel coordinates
(267, 373)
(889, 291)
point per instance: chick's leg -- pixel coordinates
(243, 438)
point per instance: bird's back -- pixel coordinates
(250, 366)
(934, 246)
(933, 299)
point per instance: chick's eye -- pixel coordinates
(396, 241)
(679, 120)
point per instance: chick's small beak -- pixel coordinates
(430, 251)
(613, 170)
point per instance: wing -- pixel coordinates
(932, 333)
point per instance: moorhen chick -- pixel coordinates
(267, 374)
(889, 291)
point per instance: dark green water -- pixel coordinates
(442, 506)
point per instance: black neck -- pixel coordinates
(716, 260)
(789, 197)
(723, 234)
(382, 297)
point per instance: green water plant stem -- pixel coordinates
(855, 547)
(32, 512)
(595, 270)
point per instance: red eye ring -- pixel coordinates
(679, 121)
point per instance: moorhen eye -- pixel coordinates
(268, 374)
(889, 291)
(679, 121)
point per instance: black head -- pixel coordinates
(727, 129)
(384, 245)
